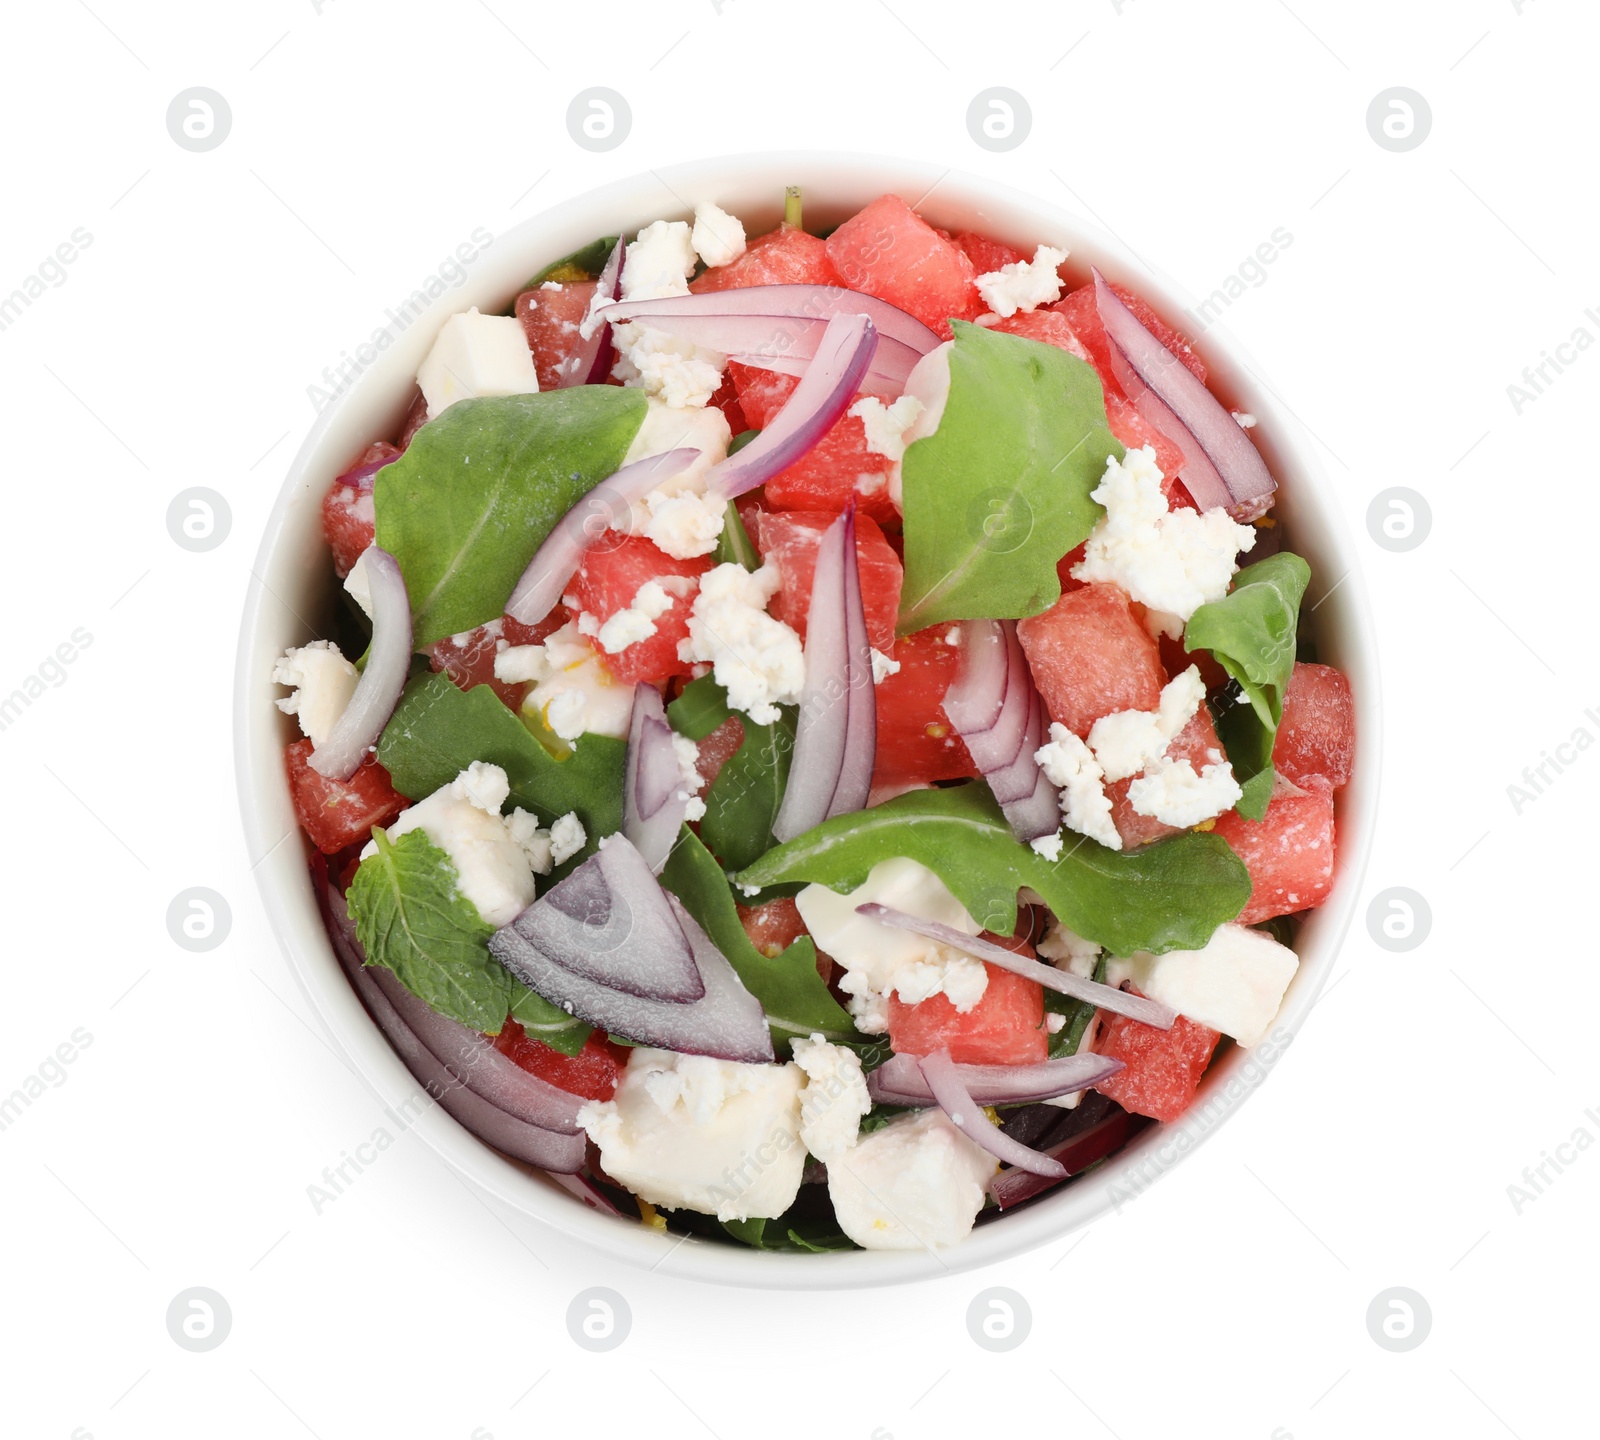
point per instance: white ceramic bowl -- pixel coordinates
(292, 593)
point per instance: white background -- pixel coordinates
(366, 142)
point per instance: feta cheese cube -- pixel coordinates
(1024, 284)
(1235, 984)
(759, 661)
(833, 1099)
(477, 355)
(914, 1184)
(324, 681)
(929, 385)
(718, 237)
(358, 584)
(690, 1132)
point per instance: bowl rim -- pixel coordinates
(269, 621)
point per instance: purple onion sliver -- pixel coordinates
(1104, 997)
(899, 1080)
(1082, 1150)
(378, 690)
(590, 362)
(651, 817)
(951, 1095)
(854, 785)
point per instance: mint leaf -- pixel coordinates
(791, 992)
(411, 917)
(1168, 896)
(1000, 491)
(1251, 632)
(437, 731)
(479, 488)
(546, 1022)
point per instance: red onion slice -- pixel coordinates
(1104, 997)
(824, 393)
(944, 1080)
(378, 690)
(727, 1023)
(1088, 1147)
(609, 924)
(515, 1137)
(836, 736)
(899, 1080)
(651, 815)
(886, 385)
(1221, 464)
(556, 561)
(590, 362)
(1038, 812)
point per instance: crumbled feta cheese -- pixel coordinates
(1246, 420)
(833, 1099)
(1170, 560)
(493, 870)
(324, 681)
(665, 428)
(879, 959)
(883, 667)
(1174, 793)
(690, 1132)
(928, 384)
(635, 622)
(1024, 284)
(477, 355)
(685, 525)
(1069, 765)
(1126, 741)
(1235, 984)
(759, 661)
(952, 636)
(576, 695)
(658, 262)
(521, 665)
(1068, 950)
(1048, 845)
(718, 237)
(914, 1184)
(1055, 1022)
(688, 754)
(567, 838)
(666, 367)
(358, 583)
(886, 425)
(533, 841)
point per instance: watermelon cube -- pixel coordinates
(987, 255)
(1005, 1027)
(609, 579)
(717, 748)
(1162, 1068)
(468, 660)
(789, 540)
(916, 742)
(785, 256)
(1045, 326)
(349, 522)
(1289, 852)
(1197, 743)
(1091, 655)
(340, 813)
(1318, 733)
(591, 1073)
(550, 315)
(890, 251)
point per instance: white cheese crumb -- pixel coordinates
(688, 754)
(718, 237)
(883, 667)
(759, 661)
(567, 837)
(1023, 284)
(534, 842)
(324, 681)
(1068, 950)
(575, 694)
(1126, 741)
(483, 785)
(833, 1099)
(1069, 765)
(635, 622)
(1246, 420)
(886, 425)
(1173, 792)
(658, 262)
(667, 368)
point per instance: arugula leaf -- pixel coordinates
(1078, 1012)
(733, 545)
(791, 992)
(701, 707)
(1168, 896)
(479, 488)
(411, 917)
(739, 441)
(437, 731)
(585, 263)
(743, 800)
(814, 1236)
(1251, 632)
(547, 1023)
(1000, 491)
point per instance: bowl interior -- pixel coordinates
(292, 597)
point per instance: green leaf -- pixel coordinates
(437, 731)
(791, 992)
(1078, 1012)
(739, 441)
(582, 264)
(412, 918)
(1251, 631)
(546, 1022)
(743, 800)
(1168, 896)
(816, 1237)
(733, 545)
(479, 488)
(1000, 491)
(701, 707)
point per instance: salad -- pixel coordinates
(818, 747)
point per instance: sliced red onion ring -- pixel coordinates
(1104, 997)
(1221, 464)
(1088, 1147)
(654, 800)
(506, 1132)
(824, 393)
(609, 923)
(944, 1080)
(1039, 811)
(556, 561)
(727, 1023)
(836, 736)
(590, 362)
(378, 690)
(899, 1080)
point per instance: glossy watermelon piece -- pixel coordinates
(1005, 1027)
(608, 580)
(1175, 660)
(1045, 326)
(987, 255)
(348, 520)
(1289, 852)
(890, 251)
(726, 399)
(772, 927)
(836, 470)
(1084, 317)
(514, 632)
(1318, 733)
(789, 540)
(468, 659)
(785, 256)
(591, 1073)
(1163, 1068)
(550, 315)
(339, 813)
(916, 742)
(719, 747)
(1091, 655)
(1197, 743)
